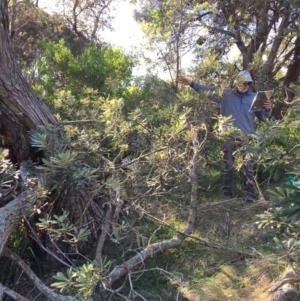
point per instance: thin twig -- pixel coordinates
(73, 122)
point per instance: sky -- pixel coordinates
(126, 33)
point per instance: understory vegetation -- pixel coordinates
(110, 182)
(126, 181)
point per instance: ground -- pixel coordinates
(241, 265)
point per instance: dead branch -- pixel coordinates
(290, 277)
(152, 249)
(105, 226)
(74, 122)
(10, 293)
(45, 290)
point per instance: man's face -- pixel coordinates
(243, 87)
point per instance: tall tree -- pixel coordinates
(166, 24)
(257, 29)
(87, 18)
(21, 109)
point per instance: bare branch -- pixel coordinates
(36, 280)
(11, 293)
(73, 122)
(152, 249)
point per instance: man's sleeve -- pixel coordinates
(260, 114)
(199, 87)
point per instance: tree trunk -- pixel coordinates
(20, 108)
(292, 75)
(266, 72)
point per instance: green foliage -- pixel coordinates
(63, 168)
(147, 93)
(279, 156)
(274, 146)
(166, 25)
(48, 140)
(69, 81)
(65, 281)
(60, 169)
(82, 282)
(61, 228)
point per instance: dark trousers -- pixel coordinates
(228, 158)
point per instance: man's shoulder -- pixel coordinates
(226, 90)
(251, 92)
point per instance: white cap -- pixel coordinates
(244, 76)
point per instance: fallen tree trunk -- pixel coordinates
(11, 214)
(284, 288)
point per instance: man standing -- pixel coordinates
(236, 103)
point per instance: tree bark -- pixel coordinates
(21, 109)
(266, 72)
(10, 215)
(284, 288)
(292, 76)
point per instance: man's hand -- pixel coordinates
(267, 105)
(183, 80)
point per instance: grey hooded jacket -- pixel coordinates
(237, 106)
